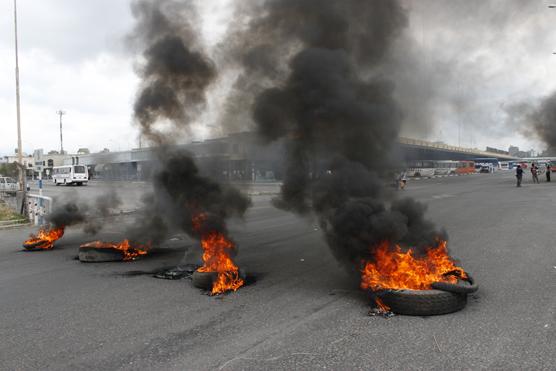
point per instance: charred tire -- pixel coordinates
(203, 280)
(462, 287)
(423, 302)
(35, 246)
(99, 255)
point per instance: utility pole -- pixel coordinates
(19, 150)
(61, 113)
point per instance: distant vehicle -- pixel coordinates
(465, 167)
(504, 165)
(488, 160)
(486, 169)
(70, 174)
(445, 167)
(8, 184)
(419, 169)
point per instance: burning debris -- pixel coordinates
(393, 273)
(98, 251)
(45, 239)
(177, 273)
(392, 268)
(337, 114)
(71, 212)
(217, 259)
(176, 74)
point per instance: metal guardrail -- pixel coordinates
(38, 207)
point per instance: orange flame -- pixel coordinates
(44, 239)
(396, 269)
(129, 252)
(381, 306)
(216, 258)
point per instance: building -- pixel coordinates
(43, 163)
(27, 161)
(237, 157)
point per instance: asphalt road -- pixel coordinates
(303, 312)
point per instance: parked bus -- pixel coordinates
(448, 167)
(445, 167)
(465, 167)
(493, 162)
(70, 174)
(422, 168)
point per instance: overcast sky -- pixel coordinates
(473, 58)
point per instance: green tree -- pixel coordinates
(8, 170)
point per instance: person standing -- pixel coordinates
(548, 170)
(519, 175)
(535, 173)
(402, 180)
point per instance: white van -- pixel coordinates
(8, 184)
(70, 174)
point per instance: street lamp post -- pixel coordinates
(552, 6)
(17, 102)
(61, 113)
(21, 166)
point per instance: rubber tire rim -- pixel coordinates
(203, 280)
(422, 302)
(467, 286)
(99, 255)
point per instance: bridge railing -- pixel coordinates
(446, 147)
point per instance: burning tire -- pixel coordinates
(99, 255)
(466, 286)
(37, 245)
(423, 302)
(203, 280)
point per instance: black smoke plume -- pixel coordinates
(175, 76)
(176, 73)
(336, 111)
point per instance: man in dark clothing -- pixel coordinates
(548, 170)
(519, 175)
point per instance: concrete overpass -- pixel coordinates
(415, 149)
(240, 156)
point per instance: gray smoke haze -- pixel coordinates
(91, 214)
(335, 109)
(535, 119)
(460, 62)
(176, 74)
(544, 121)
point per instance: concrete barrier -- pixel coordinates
(38, 207)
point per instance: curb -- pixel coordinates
(15, 225)
(439, 176)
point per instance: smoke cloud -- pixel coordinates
(536, 120)
(176, 71)
(91, 214)
(176, 74)
(335, 109)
